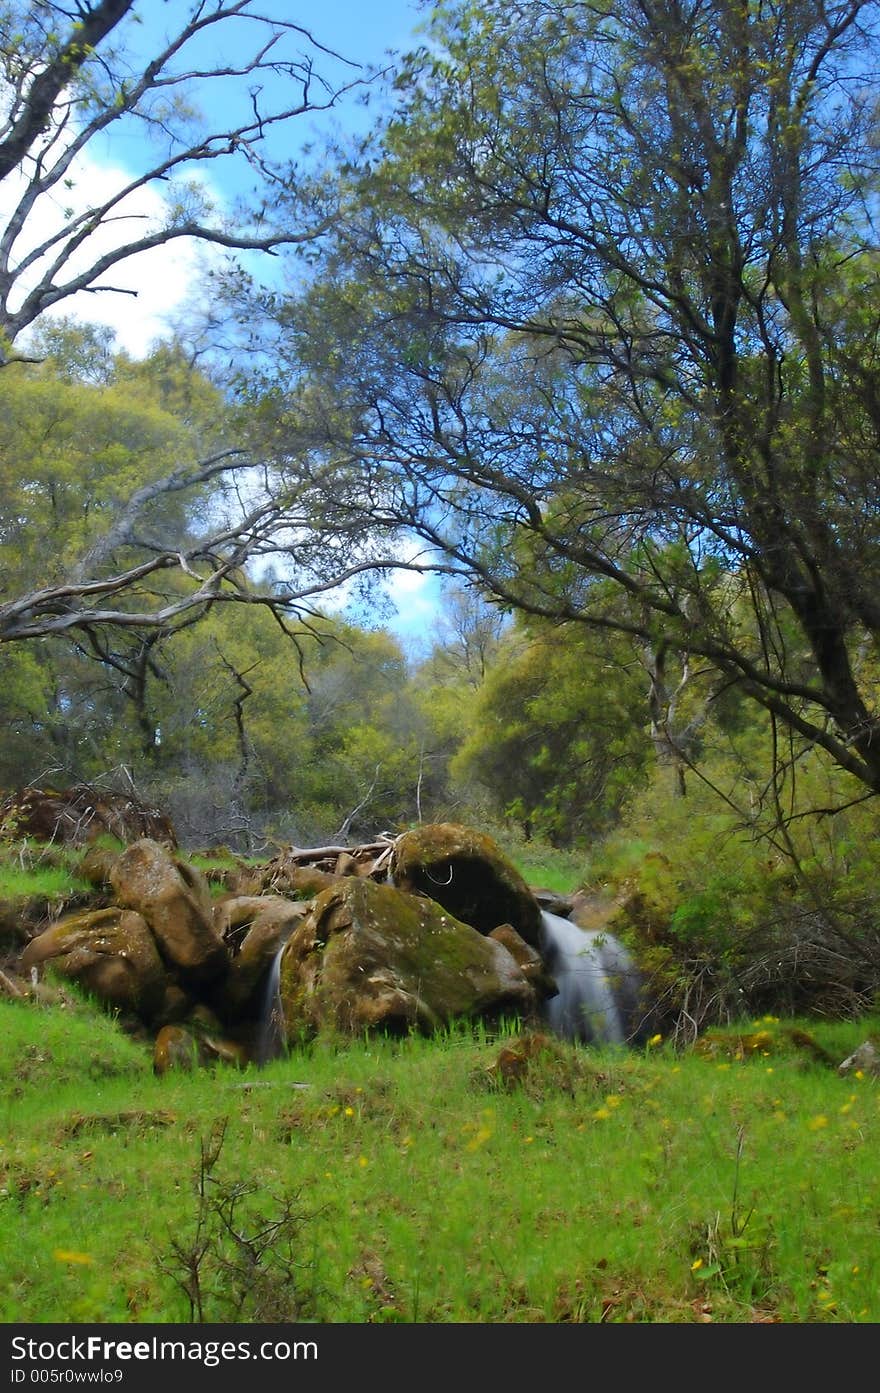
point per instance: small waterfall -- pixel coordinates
(270, 1039)
(598, 997)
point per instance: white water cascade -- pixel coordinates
(598, 983)
(271, 1042)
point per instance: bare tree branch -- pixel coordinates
(66, 87)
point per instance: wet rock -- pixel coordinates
(530, 961)
(253, 928)
(302, 881)
(190, 1046)
(346, 865)
(96, 866)
(175, 1047)
(109, 952)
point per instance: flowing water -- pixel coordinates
(271, 1042)
(598, 997)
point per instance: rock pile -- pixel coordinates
(407, 933)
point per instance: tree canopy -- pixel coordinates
(598, 318)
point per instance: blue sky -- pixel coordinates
(362, 33)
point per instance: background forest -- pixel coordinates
(586, 324)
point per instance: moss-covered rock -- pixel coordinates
(468, 873)
(253, 927)
(175, 899)
(96, 865)
(369, 956)
(111, 954)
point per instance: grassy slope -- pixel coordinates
(616, 1186)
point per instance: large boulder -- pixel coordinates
(112, 954)
(369, 956)
(468, 873)
(253, 928)
(175, 900)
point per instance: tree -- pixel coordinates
(245, 744)
(467, 635)
(557, 738)
(70, 76)
(607, 286)
(78, 432)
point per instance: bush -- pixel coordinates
(729, 921)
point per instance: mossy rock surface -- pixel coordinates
(469, 874)
(110, 953)
(370, 956)
(253, 928)
(175, 899)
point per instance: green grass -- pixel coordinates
(546, 867)
(31, 872)
(39, 882)
(406, 1184)
(220, 860)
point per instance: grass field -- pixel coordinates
(406, 1181)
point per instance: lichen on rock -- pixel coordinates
(469, 874)
(371, 956)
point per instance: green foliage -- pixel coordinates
(606, 280)
(81, 432)
(556, 738)
(73, 450)
(732, 912)
(290, 736)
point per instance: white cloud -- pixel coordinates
(416, 598)
(161, 279)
